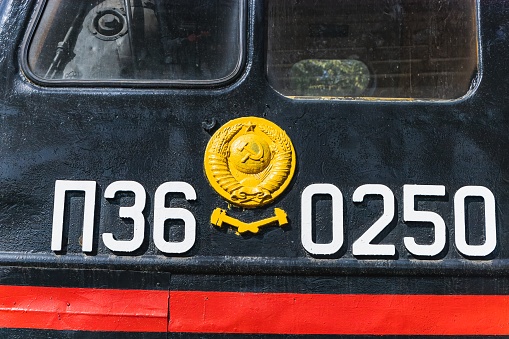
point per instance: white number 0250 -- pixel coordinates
(363, 246)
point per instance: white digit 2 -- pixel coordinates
(363, 245)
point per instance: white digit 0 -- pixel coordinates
(307, 219)
(490, 242)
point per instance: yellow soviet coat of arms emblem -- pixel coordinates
(250, 161)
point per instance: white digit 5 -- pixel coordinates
(410, 214)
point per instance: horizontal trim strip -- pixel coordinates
(260, 265)
(110, 310)
(354, 314)
(83, 309)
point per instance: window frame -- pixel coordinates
(150, 83)
(474, 85)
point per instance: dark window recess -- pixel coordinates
(129, 40)
(424, 49)
(328, 31)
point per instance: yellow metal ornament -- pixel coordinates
(250, 161)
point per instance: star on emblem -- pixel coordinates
(250, 126)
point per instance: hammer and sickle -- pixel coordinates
(251, 154)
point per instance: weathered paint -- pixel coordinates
(156, 136)
(125, 310)
(83, 309)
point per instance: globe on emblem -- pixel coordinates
(250, 154)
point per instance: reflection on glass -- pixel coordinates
(314, 77)
(115, 40)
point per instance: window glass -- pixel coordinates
(317, 77)
(424, 49)
(175, 41)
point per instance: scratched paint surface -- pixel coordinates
(152, 137)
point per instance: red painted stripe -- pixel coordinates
(234, 312)
(271, 313)
(83, 309)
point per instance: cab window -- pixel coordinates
(173, 41)
(418, 49)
